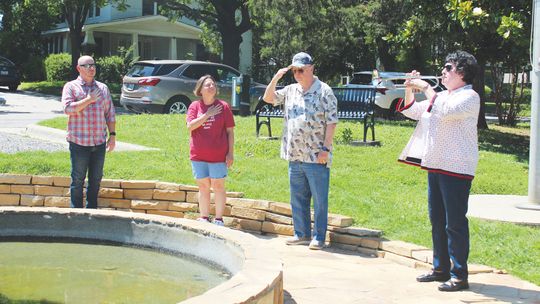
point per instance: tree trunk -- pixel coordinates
(76, 40)
(76, 17)
(231, 32)
(231, 40)
(479, 87)
(388, 62)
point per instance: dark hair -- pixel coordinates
(466, 65)
(198, 86)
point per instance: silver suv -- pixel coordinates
(166, 86)
(388, 94)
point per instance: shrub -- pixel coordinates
(33, 69)
(110, 69)
(58, 67)
(487, 90)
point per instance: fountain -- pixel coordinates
(255, 272)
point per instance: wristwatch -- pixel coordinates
(325, 149)
(112, 134)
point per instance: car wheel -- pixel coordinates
(393, 114)
(13, 88)
(177, 105)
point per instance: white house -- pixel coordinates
(140, 25)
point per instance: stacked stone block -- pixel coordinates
(177, 200)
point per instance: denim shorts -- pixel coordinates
(203, 169)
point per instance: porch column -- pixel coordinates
(172, 49)
(66, 47)
(135, 44)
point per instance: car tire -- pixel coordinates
(393, 114)
(13, 88)
(177, 105)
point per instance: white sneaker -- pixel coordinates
(202, 219)
(219, 223)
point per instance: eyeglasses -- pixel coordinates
(448, 67)
(298, 71)
(88, 65)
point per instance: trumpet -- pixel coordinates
(399, 81)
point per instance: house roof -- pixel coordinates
(154, 25)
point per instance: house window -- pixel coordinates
(149, 7)
(94, 10)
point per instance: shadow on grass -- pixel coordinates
(506, 143)
(6, 300)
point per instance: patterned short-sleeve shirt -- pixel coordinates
(306, 116)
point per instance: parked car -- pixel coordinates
(166, 86)
(389, 91)
(9, 76)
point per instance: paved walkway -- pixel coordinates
(504, 208)
(334, 276)
(23, 110)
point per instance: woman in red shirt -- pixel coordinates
(211, 124)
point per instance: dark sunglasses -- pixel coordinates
(448, 67)
(88, 65)
(298, 71)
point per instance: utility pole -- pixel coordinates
(534, 151)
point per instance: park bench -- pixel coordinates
(353, 104)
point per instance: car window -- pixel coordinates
(359, 78)
(5, 62)
(141, 70)
(226, 75)
(165, 69)
(196, 71)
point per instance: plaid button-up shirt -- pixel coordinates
(89, 126)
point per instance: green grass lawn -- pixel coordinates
(367, 183)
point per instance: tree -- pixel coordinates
(475, 26)
(75, 13)
(20, 34)
(329, 30)
(229, 18)
(499, 34)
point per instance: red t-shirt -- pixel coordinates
(209, 142)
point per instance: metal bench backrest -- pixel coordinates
(355, 100)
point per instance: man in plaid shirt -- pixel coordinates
(89, 106)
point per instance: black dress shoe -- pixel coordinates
(454, 285)
(433, 276)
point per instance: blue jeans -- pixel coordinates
(309, 180)
(448, 198)
(86, 159)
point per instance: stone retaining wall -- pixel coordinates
(181, 201)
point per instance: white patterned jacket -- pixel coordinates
(445, 139)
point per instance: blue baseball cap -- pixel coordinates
(301, 59)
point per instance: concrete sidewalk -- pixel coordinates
(503, 208)
(334, 276)
(59, 136)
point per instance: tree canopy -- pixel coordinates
(228, 19)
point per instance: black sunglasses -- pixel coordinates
(448, 67)
(88, 65)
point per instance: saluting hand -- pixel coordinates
(279, 74)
